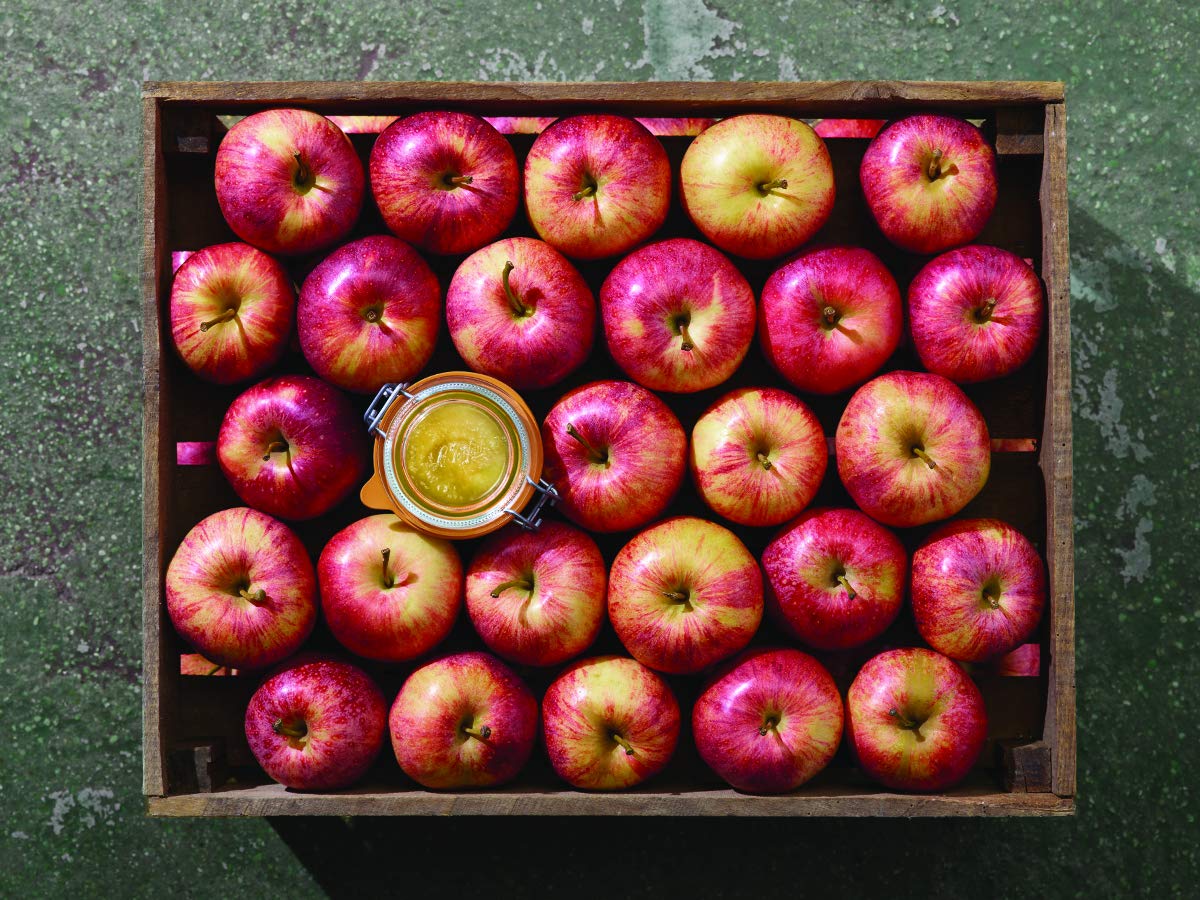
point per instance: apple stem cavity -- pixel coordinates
(588, 190)
(623, 744)
(259, 596)
(936, 169)
(303, 177)
(280, 446)
(688, 344)
(482, 733)
(223, 317)
(594, 454)
(920, 453)
(372, 315)
(984, 313)
(844, 582)
(524, 584)
(830, 315)
(292, 731)
(768, 726)
(765, 460)
(684, 597)
(513, 300)
(907, 723)
(991, 599)
(767, 187)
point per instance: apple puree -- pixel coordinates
(456, 454)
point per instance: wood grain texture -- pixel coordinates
(1055, 458)
(1026, 767)
(274, 800)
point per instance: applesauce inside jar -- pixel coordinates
(457, 453)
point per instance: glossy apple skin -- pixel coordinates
(803, 561)
(396, 622)
(768, 721)
(326, 456)
(228, 552)
(675, 127)
(881, 424)
(198, 664)
(342, 712)
(627, 167)
(369, 314)
(441, 699)
(649, 297)
(956, 570)
(924, 687)
(411, 164)
(758, 456)
(723, 168)
(923, 215)
(559, 615)
(223, 277)
(975, 313)
(849, 128)
(798, 338)
(362, 124)
(528, 350)
(645, 455)
(597, 698)
(256, 172)
(520, 124)
(723, 603)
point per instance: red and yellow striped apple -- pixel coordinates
(675, 127)
(362, 124)
(768, 721)
(609, 723)
(849, 128)
(684, 594)
(288, 181)
(388, 592)
(678, 316)
(912, 448)
(537, 598)
(978, 589)
(520, 124)
(915, 720)
(758, 456)
(241, 589)
(463, 721)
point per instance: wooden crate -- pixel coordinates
(196, 762)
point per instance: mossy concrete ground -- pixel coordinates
(72, 818)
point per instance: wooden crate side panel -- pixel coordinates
(1059, 729)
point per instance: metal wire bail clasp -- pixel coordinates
(547, 495)
(381, 404)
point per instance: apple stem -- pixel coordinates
(592, 452)
(292, 731)
(275, 447)
(688, 344)
(844, 582)
(372, 315)
(303, 174)
(458, 180)
(767, 186)
(984, 313)
(214, 670)
(524, 584)
(907, 723)
(921, 454)
(830, 315)
(623, 744)
(936, 169)
(765, 460)
(768, 725)
(389, 580)
(513, 300)
(683, 597)
(223, 317)
(482, 733)
(991, 599)
(588, 190)
(259, 596)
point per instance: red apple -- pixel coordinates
(675, 127)
(835, 578)
(463, 721)
(756, 185)
(362, 124)
(537, 598)
(930, 182)
(684, 594)
(518, 311)
(609, 723)
(369, 314)
(978, 589)
(678, 316)
(596, 185)
(758, 456)
(615, 452)
(769, 721)
(911, 448)
(830, 318)
(231, 312)
(849, 128)
(288, 181)
(292, 446)
(389, 593)
(317, 724)
(975, 313)
(520, 124)
(444, 181)
(198, 664)
(241, 590)
(915, 720)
